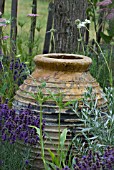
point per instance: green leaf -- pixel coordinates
(37, 129)
(50, 166)
(86, 129)
(88, 11)
(92, 138)
(53, 157)
(63, 137)
(51, 154)
(105, 37)
(4, 88)
(95, 1)
(43, 84)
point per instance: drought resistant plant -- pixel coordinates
(97, 131)
(14, 127)
(93, 161)
(12, 70)
(98, 124)
(12, 75)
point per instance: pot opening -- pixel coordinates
(69, 57)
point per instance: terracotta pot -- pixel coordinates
(67, 73)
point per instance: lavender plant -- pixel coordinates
(93, 161)
(12, 75)
(16, 126)
(12, 70)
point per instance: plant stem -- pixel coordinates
(59, 152)
(94, 18)
(41, 139)
(81, 41)
(110, 72)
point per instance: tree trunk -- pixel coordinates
(65, 14)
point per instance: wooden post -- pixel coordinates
(49, 27)
(33, 25)
(1, 10)
(13, 33)
(2, 5)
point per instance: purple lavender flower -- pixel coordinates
(16, 126)
(2, 22)
(110, 15)
(33, 15)
(1, 65)
(96, 161)
(26, 162)
(5, 37)
(104, 3)
(18, 69)
(4, 137)
(1, 162)
(66, 168)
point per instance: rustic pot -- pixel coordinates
(67, 73)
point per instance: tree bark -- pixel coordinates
(65, 14)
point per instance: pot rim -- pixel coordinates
(63, 62)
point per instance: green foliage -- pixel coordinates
(59, 160)
(11, 158)
(106, 38)
(63, 138)
(98, 127)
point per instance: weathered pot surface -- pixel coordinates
(65, 73)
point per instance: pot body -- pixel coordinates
(63, 73)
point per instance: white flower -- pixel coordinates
(87, 21)
(0, 13)
(80, 25)
(79, 40)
